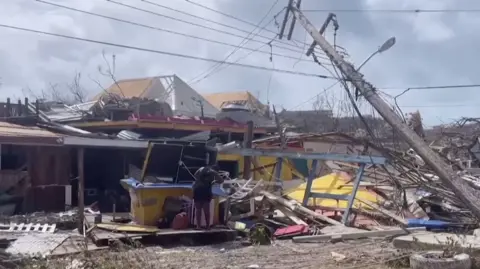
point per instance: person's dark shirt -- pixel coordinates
(202, 187)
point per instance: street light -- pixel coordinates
(384, 47)
(387, 45)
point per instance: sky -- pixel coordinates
(432, 48)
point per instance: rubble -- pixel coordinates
(360, 189)
(410, 196)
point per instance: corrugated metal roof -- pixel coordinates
(128, 135)
(63, 113)
(14, 130)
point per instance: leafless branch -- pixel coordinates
(76, 90)
(109, 72)
(69, 93)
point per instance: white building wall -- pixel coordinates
(186, 101)
(180, 96)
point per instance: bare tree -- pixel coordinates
(67, 93)
(77, 92)
(109, 70)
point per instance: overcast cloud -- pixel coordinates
(431, 49)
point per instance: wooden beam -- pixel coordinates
(355, 235)
(247, 160)
(81, 189)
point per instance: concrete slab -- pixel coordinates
(438, 241)
(337, 229)
(36, 244)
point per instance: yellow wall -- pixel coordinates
(147, 204)
(333, 183)
(287, 173)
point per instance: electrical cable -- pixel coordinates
(452, 86)
(394, 10)
(231, 16)
(261, 47)
(396, 88)
(209, 20)
(161, 29)
(241, 58)
(446, 105)
(426, 88)
(215, 67)
(161, 52)
(195, 24)
(315, 96)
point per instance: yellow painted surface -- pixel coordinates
(147, 204)
(332, 184)
(266, 173)
(116, 227)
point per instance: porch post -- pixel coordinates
(81, 188)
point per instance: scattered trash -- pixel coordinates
(338, 257)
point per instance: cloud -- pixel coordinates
(431, 49)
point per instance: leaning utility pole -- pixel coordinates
(439, 166)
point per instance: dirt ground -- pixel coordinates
(281, 255)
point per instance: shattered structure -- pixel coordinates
(306, 186)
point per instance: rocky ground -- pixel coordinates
(281, 255)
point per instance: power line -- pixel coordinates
(232, 17)
(161, 29)
(315, 96)
(443, 105)
(196, 24)
(453, 86)
(216, 67)
(162, 52)
(430, 87)
(211, 21)
(243, 57)
(406, 89)
(394, 10)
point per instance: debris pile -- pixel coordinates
(404, 193)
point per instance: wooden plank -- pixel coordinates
(355, 235)
(289, 214)
(296, 207)
(385, 212)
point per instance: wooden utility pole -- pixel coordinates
(247, 160)
(438, 165)
(81, 189)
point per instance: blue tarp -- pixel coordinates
(429, 224)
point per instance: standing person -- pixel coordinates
(202, 194)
